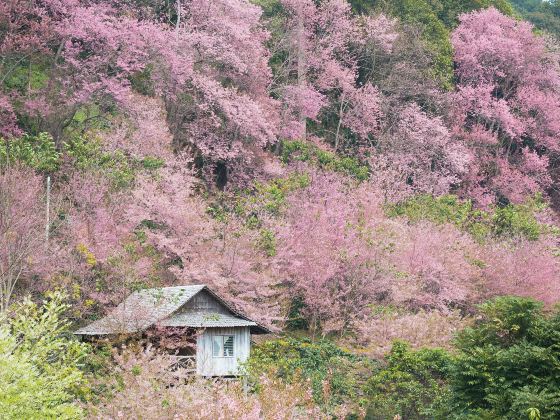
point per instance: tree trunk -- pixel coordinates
(340, 114)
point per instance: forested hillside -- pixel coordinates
(376, 182)
(545, 15)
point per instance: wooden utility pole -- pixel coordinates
(47, 224)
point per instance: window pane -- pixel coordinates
(228, 346)
(217, 346)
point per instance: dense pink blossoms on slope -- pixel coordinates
(508, 105)
(321, 42)
(419, 155)
(89, 52)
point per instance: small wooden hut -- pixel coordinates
(223, 334)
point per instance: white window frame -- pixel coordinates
(223, 338)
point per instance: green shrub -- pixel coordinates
(267, 242)
(412, 385)
(336, 376)
(40, 375)
(308, 152)
(271, 196)
(515, 220)
(152, 163)
(511, 220)
(87, 154)
(39, 152)
(509, 362)
(264, 198)
(296, 319)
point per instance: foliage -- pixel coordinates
(88, 154)
(38, 152)
(267, 242)
(40, 363)
(263, 200)
(336, 376)
(271, 196)
(509, 221)
(412, 385)
(545, 15)
(508, 361)
(308, 152)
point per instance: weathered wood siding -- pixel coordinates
(207, 365)
(204, 302)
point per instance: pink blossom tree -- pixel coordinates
(327, 254)
(195, 248)
(96, 215)
(221, 107)
(525, 268)
(417, 154)
(210, 66)
(318, 78)
(508, 105)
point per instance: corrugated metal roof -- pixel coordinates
(205, 320)
(141, 310)
(147, 307)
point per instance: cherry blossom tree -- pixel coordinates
(8, 119)
(221, 107)
(96, 215)
(508, 103)
(194, 247)
(417, 154)
(325, 253)
(74, 54)
(210, 67)
(317, 78)
(525, 268)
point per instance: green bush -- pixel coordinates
(264, 198)
(152, 163)
(40, 375)
(308, 152)
(38, 152)
(336, 376)
(412, 385)
(267, 242)
(511, 220)
(509, 362)
(87, 154)
(271, 196)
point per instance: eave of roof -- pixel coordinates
(205, 320)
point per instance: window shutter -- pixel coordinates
(228, 346)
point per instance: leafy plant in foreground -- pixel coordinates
(509, 362)
(40, 374)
